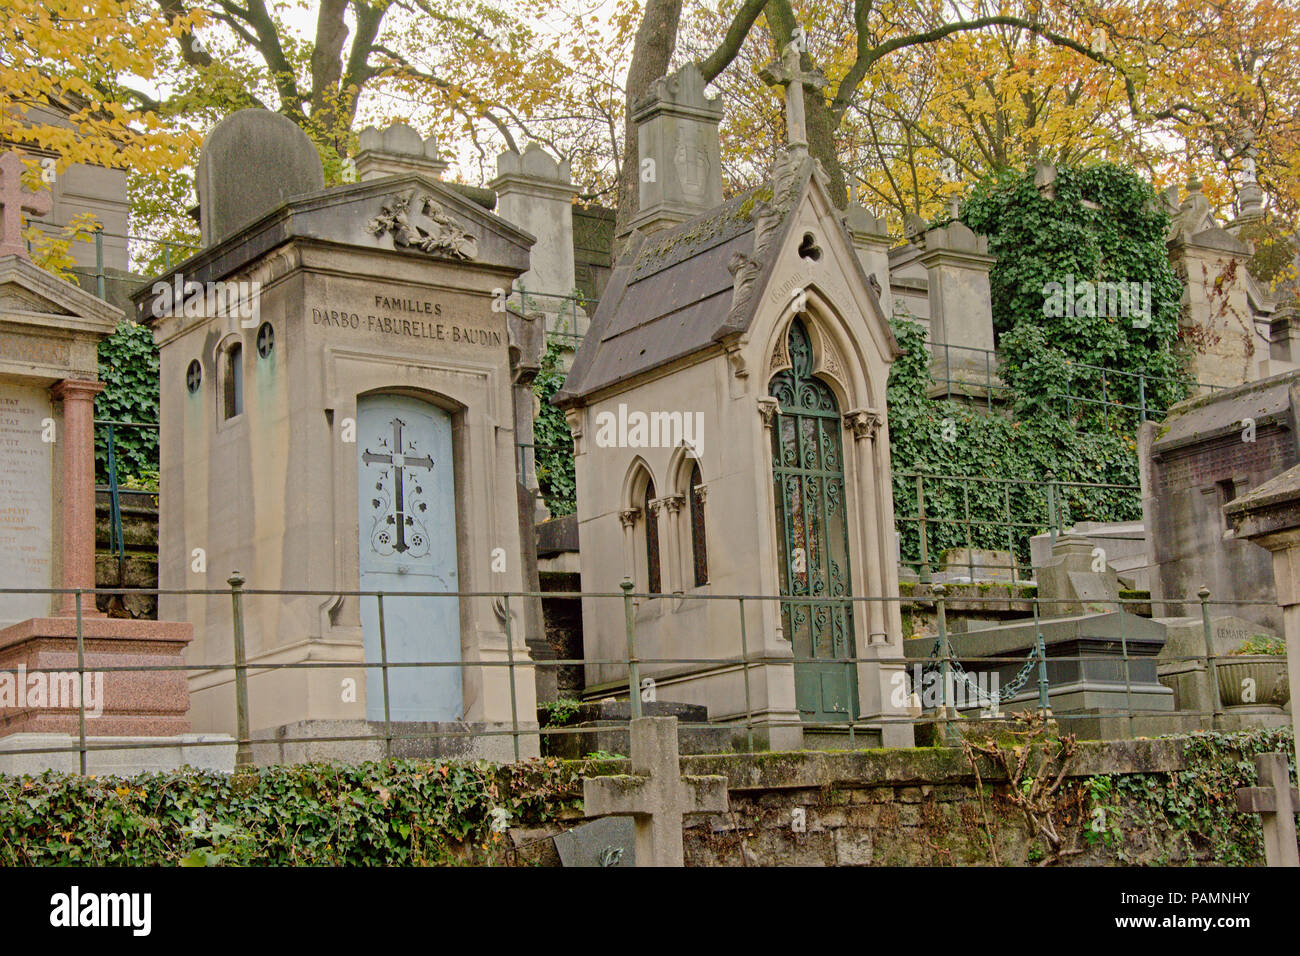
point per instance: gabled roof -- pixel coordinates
(673, 294)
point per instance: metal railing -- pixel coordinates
(944, 717)
(977, 512)
(171, 250)
(965, 371)
(560, 308)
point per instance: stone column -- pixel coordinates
(957, 267)
(864, 424)
(628, 520)
(77, 494)
(673, 505)
(679, 152)
(654, 507)
(871, 240)
(535, 193)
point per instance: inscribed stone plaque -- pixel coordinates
(25, 483)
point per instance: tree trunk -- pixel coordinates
(656, 39)
(821, 143)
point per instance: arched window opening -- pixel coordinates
(233, 382)
(651, 513)
(699, 549)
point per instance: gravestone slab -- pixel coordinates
(26, 473)
(605, 842)
(251, 163)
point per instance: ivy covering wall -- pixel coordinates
(128, 367)
(1059, 419)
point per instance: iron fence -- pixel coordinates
(941, 722)
(976, 512)
(971, 373)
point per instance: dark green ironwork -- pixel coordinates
(808, 481)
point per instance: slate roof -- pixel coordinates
(668, 297)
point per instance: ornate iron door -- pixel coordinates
(408, 543)
(808, 481)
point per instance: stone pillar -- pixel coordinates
(680, 172)
(871, 240)
(1216, 321)
(864, 424)
(397, 149)
(1269, 515)
(673, 505)
(535, 193)
(957, 267)
(628, 520)
(77, 493)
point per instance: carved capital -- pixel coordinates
(629, 517)
(701, 492)
(654, 506)
(673, 503)
(864, 422)
(768, 409)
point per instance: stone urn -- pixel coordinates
(1253, 680)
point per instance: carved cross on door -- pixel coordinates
(399, 463)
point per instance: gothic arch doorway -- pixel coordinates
(812, 536)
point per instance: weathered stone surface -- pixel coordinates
(251, 163)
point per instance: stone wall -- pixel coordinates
(905, 808)
(927, 807)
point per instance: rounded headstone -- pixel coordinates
(252, 162)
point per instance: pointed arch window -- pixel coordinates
(699, 548)
(651, 512)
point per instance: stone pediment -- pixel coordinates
(408, 214)
(31, 296)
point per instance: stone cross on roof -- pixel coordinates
(787, 71)
(1276, 803)
(14, 201)
(655, 794)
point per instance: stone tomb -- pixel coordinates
(1209, 451)
(353, 430)
(1085, 668)
(49, 334)
(751, 326)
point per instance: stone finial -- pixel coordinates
(1250, 197)
(680, 173)
(913, 225)
(955, 237)
(398, 148)
(860, 221)
(14, 201)
(786, 71)
(534, 163)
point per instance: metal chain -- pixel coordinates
(1004, 693)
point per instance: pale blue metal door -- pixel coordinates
(407, 511)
